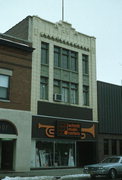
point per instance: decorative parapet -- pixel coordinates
(64, 33)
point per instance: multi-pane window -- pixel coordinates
(4, 87)
(65, 92)
(74, 93)
(57, 89)
(54, 154)
(57, 57)
(44, 88)
(86, 95)
(85, 64)
(65, 59)
(69, 91)
(106, 146)
(44, 53)
(73, 61)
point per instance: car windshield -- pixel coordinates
(111, 160)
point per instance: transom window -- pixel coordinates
(4, 86)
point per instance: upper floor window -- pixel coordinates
(74, 93)
(4, 86)
(44, 88)
(86, 95)
(57, 57)
(57, 89)
(44, 53)
(68, 91)
(65, 59)
(65, 92)
(74, 61)
(85, 64)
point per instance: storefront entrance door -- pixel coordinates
(86, 153)
(7, 155)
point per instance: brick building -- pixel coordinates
(15, 115)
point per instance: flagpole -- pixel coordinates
(62, 10)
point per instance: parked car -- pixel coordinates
(110, 167)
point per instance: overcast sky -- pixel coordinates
(99, 18)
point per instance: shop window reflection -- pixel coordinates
(64, 155)
(44, 154)
(52, 154)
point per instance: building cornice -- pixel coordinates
(58, 39)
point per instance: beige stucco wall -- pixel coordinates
(22, 151)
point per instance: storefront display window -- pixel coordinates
(54, 154)
(64, 154)
(44, 154)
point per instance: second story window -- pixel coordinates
(57, 88)
(44, 53)
(85, 64)
(44, 88)
(4, 87)
(74, 94)
(65, 91)
(85, 95)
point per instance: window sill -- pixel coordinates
(4, 100)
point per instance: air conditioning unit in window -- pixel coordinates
(58, 97)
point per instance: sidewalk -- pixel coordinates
(42, 172)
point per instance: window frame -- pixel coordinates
(44, 48)
(61, 85)
(52, 150)
(85, 64)
(74, 90)
(65, 59)
(57, 51)
(7, 88)
(85, 95)
(45, 84)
